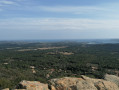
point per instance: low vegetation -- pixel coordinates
(44, 61)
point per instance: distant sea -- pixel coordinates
(88, 41)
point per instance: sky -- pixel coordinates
(59, 19)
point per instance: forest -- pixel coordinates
(41, 61)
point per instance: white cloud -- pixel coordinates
(6, 2)
(74, 9)
(99, 11)
(59, 24)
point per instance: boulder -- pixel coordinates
(73, 83)
(83, 83)
(6, 89)
(112, 78)
(101, 84)
(31, 85)
(70, 83)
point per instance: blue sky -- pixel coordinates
(59, 19)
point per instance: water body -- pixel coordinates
(87, 41)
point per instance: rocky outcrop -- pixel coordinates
(83, 83)
(111, 82)
(112, 78)
(68, 83)
(6, 89)
(31, 85)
